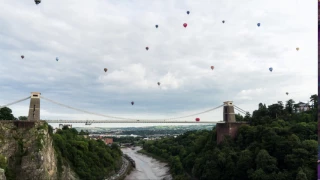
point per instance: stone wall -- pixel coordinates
(230, 129)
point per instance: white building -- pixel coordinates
(302, 107)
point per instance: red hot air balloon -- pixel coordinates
(197, 119)
(22, 56)
(185, 25)
(147, 48)
(212, 67)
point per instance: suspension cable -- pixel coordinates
(125, 118)
(197, 113)
(83, 110)
(241, 109)
(14, 102)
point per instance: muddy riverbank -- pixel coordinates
(146, 167)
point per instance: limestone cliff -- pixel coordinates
(29, 152)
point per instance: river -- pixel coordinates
(146, 167)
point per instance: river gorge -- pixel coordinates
(146, 167)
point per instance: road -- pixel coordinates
(146, 167)
(124, 166)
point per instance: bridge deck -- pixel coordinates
(127, 121)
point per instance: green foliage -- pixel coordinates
(6, 114)
(83, 133)
(279, 144)
(90, 159)
(128, 139)
(23, 118)
(38, 141)
(3, 162)
(10, 174)
(43, 126)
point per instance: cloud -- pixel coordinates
(249, 94)
(88, 37)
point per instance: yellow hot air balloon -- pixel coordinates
(297, 49)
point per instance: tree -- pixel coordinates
(314, 100)
(295, 107)
(275, 110)
(301, 175)
(23, 118)
(289, 106)
(83, 133)
(6, 114)
(239, 117)
(266, 162)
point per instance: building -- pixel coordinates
(302, 107)
(108, 140)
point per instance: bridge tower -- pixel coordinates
(229, 126)
(34, 108)
(228, 112)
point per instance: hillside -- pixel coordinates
(90, 159)
(280, 143)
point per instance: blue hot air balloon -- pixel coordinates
(157, 26)
(57, 59)
(270, 69)
(188, 12)
(258, 24)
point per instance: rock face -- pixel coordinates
(2, 175)
(30, 153)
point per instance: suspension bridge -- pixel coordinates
(34, 113)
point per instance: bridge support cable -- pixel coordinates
(15, 102)
(239, 109)
(127, 118)
(83, 110)
(196, 113)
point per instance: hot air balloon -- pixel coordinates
(147, 48)
(105, 69)
(159, 83)
(258, 24)
(132, 103)
(297, 49)
(185, 25)
(157, 26)
(57, 59)
(287, 93)
(212, 67)
(37, 1)
(197, 119)
(270, 69)
(22, 56)
(223, 21)
(188, 12)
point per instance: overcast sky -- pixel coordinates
(88, 36)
